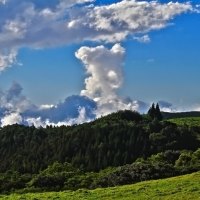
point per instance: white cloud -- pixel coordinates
(3, 2)
(16, 108)
(142, 39)
(46, 106)
(104, 68)
(25, 24)
(13, 101)
(7, 59)
(15, 28)
(38, 122)
(82, 118)
(69, 3)
(132, 17)
(9, 119)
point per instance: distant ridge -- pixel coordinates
(168, 115)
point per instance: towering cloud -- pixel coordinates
(104, 68)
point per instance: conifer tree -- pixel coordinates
(158, 113)
(152, 111)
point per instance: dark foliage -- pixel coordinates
(155, 113)
(64, 176)
(56, 158)
(168, 115)
(114, 140)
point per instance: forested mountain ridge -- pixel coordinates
(117, 139)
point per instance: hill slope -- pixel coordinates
(189, 121)
(182, 187)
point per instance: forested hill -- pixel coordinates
(114, 140)
(168, 115)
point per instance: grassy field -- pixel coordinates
(190, 121)
(181, 188)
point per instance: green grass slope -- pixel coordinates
(190, 121)
(183, 187)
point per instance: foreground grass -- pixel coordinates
(190, 121)
(182, 187)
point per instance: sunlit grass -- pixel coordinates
(183, 187)
(190, 121)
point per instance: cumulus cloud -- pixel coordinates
(81, 118)
(17, 108)
(115, 22)
(68, 109)
(9, 119)
(104, 69)
(24, 23)
(75, 109)
(14, 101)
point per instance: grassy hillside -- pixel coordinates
(182, 187)
(190, 121)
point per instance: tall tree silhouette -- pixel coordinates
(154, 112)
(158, 113)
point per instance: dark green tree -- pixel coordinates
(158, 114)
(152, 111)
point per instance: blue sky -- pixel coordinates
(165, 67)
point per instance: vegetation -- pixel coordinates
(115, 140)
(182, 187)
(118, 149)
(187, 121)
(154, 112)
(167, 115)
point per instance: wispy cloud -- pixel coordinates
(7, 59)
(142, 39)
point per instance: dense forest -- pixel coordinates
(90, 155)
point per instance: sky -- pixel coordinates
(65, 62)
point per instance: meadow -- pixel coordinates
(182, 187)
(189, 121)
